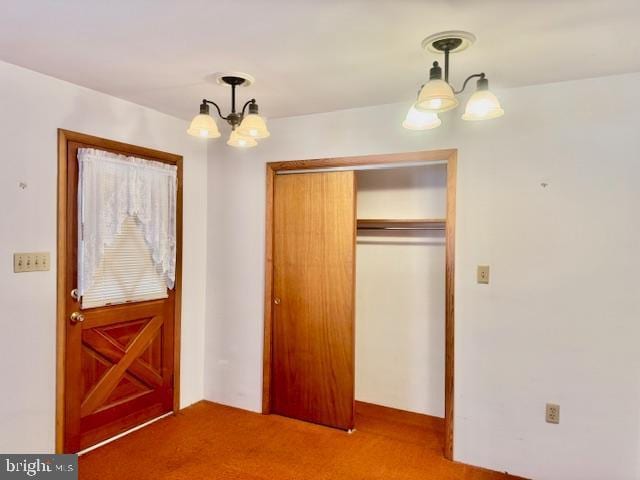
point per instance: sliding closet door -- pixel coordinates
(313, 319)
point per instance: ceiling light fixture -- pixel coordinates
(245, 129)
(417, 120)
(437, 95)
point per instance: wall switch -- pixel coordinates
(483, 274)
(19, 263)
(553, 413)
(42, 261)
(31, 262)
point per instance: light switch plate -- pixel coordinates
(483, 274)
(31, 262)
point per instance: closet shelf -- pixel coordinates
(401, 224)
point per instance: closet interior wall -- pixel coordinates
(400, 291)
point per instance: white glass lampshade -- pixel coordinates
(240, 141)
(483, 105)
(417, 120)
(436, 96)
(253, 126)
(203, 126)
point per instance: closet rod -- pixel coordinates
(379, 166)
(401, 228)
(402, 224)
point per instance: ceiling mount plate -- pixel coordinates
(233, 78)
(452, 40)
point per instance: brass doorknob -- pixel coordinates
(276, 301)
(77, 317)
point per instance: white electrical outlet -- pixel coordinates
(553, 413)
(483, 274)
(31, 262)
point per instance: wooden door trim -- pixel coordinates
(448, 155)
(64, 137)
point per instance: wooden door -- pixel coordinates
(117, 366)
(313, 358)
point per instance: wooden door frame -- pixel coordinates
(450, 156)
(62, 265)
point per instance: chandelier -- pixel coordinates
(245, 129)
(437, 95)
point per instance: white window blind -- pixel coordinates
(126, 272)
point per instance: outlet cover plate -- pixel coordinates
(552, 413)
(483, 274)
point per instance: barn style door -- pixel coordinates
(117, 362)
(313, 305)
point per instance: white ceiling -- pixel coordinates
(310, 55)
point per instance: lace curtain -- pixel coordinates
(114, 187)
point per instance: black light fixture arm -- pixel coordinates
(479, 76)
(204, 108)
(250, 103)
(234, 118)
(447, 45)
(446, 65)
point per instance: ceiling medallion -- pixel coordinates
(245, 129)
(437, 95)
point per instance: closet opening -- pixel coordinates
(359, 318)
(400, 301)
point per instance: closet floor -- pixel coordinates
(210, 441)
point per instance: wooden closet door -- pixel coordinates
(314, 264)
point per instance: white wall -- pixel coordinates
(559, 322)
(33, 107)
(400, 292)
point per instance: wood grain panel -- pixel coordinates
(103, 388)
(113, 351)
(314, 261)
(428, 156)
(450, 260)
(268, 295)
